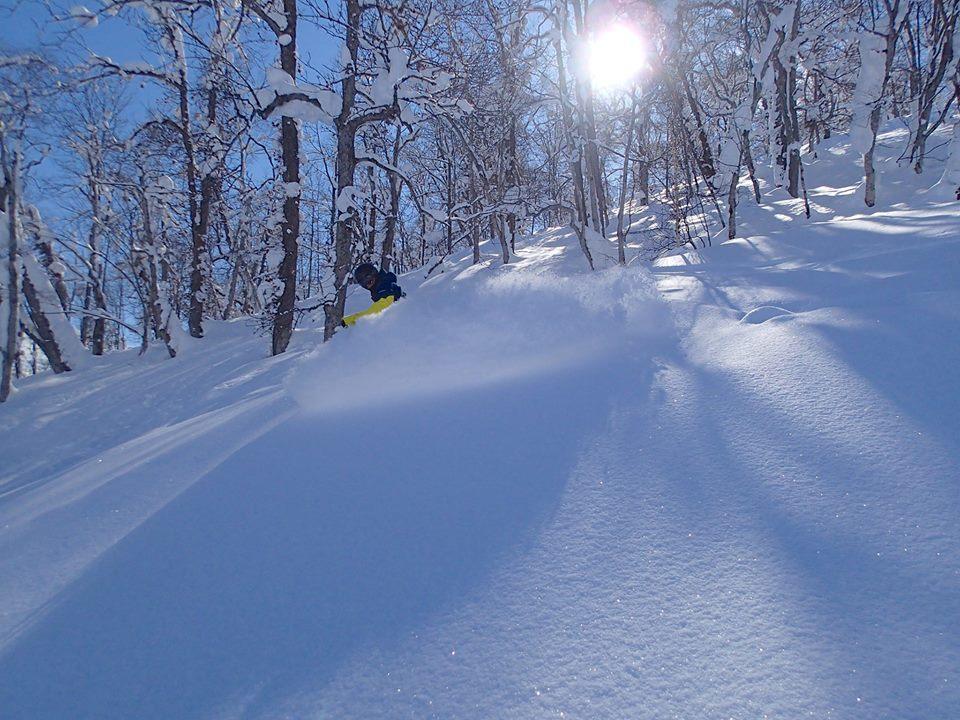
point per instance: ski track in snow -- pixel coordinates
(726, 487)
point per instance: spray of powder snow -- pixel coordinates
(473, 329)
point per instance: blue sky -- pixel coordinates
(26, 23)
(29, 25)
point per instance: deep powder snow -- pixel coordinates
(725, 486)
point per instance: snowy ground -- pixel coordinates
(724, 487)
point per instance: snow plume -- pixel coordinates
(543, 316)
(869, 90)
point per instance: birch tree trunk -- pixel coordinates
(198, 249)
(43, 242)
(11, 327)
(53, 332)
(785, 125)
(870, 92)
(151, 268)
(371, 236)
(943, 24)
(390, 229)
(92, 328)
(705, 158)
(348, 126)
(628, 146)
(592, 184)
(792, 119)
(346, 166)
(290, 227)
(580, 217)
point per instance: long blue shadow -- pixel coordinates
(326, 536)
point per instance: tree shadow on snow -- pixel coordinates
(750, 474)
(325, 536)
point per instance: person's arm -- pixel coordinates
(378, 306)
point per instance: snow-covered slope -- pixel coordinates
(725, 486)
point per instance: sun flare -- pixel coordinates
(615, 57)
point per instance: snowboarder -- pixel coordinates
(383, 288)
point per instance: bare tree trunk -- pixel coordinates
(390, 229)
(198, 249)
(210, 189)
(501, 229)
(792, 120)
(643, 179)
(151, 268)
(943, 26)
(513, 180)
(49, 327)
(372, 217)
(347, 129)
(890, 37)
(705, 159)
(628, 146)
(92, 327)
(580, 218)
(238, 250)
(732, 199)
(598, 190)
(48, 257)
(751, 168)
(11, 179)
(312, 247)
(594, 188)
(445, 155)
(290, 227)
(346, 166)
(42, 302)
(869, 173)
(474, 223)
(18, 358)
(785, 123)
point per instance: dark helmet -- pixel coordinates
(363, 272)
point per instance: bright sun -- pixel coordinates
(615, 56)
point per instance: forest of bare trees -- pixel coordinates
(257, 150)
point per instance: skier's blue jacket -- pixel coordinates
(383, 294)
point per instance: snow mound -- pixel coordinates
(764, 313)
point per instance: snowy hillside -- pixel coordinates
(725, 486)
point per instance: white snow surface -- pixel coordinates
(725, 486)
